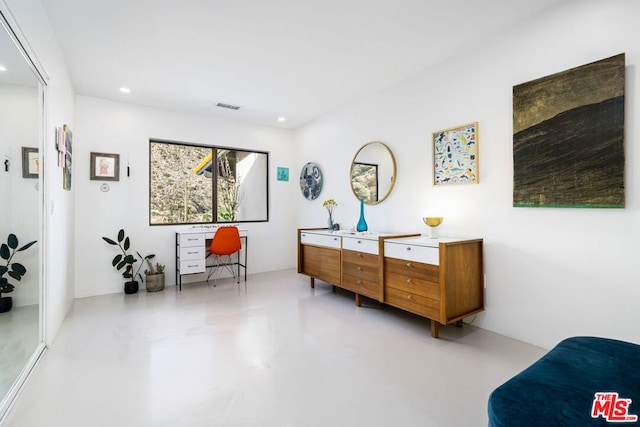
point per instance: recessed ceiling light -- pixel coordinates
(3, 68)
(281, 119)
(125, 90)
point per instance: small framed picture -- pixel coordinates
(30, 162)
(105, 167)
(283, 174)
(455, 155)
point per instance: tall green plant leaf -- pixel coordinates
(12, 241)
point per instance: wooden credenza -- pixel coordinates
(440, 279)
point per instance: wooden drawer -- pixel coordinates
(413, 285)
(417, 253)
(361, 279)
(192, 266)
(368, 288)
(360, 271)
(188, 240)
(194, 252)
(414, 303)
(416, 270)
(321, 240)
(412, 277)
(360, 258)
(360, 245)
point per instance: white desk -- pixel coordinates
(192, 248)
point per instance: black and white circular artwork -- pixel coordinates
(311, 181)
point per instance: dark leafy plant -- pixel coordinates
(14, 269)
(124, 261)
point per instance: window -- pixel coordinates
(193, 184)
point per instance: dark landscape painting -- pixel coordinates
(568, 138)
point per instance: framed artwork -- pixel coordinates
(283, 174)
(311, 181)
(105, 167)
(455, 155)
(68, 150)
(30, 162)
(568, 138)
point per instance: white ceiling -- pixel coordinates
(293, 58)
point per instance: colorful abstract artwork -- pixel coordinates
(568, 138)
(455, 155)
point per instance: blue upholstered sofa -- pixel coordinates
(583, 381)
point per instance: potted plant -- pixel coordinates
(124, 261)
(154, 277)
(14, 269)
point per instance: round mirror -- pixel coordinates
(373, 173)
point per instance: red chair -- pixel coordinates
(225, 243)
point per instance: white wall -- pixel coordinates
(111, 127)
(550, 273)
(59, 218)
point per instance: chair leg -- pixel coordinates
(214, 269)
(219, 263)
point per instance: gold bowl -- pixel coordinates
(433, 221)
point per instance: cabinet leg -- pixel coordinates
(357, 300)
(312, 282)
(434, 329)
(459, 324)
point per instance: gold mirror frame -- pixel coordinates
(374, 160)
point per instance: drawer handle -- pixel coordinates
(408, 248)
(409, 297)
(409, 281)
(192, 240)
(409, 265)
(359, 241)
(192, 265)
(335, 238)
(359, 268)
(360, 255)
(192, 253)
(359, 282)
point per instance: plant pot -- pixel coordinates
(155, 282)
(131, 287)
(6, 303)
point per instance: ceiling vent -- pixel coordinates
(228, 106)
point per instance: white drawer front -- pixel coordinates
(192, 266)
(188, 239)
(321, 240)
(424, 254)
(360, 245)
(194, 252)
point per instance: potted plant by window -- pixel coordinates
(14, 269)
(154, 277)
(124, 261)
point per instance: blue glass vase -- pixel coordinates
(362, 224)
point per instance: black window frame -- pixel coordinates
(214, 167)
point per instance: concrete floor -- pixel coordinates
(280, 354)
